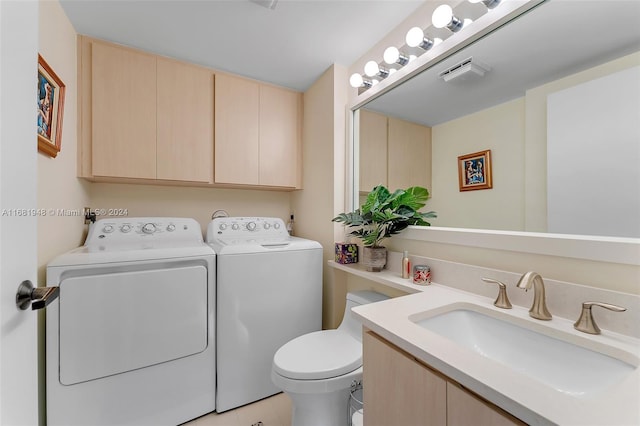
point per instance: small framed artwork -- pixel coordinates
(474, 171)
(50, 109)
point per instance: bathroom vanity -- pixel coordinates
(444, 354)
(401, 389)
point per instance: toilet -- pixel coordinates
(317, 369)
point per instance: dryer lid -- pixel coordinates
(319, 355)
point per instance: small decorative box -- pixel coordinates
(421, 275)
(346, 253)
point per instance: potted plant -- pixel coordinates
(384, 214)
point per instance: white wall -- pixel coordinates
(196, 203)
(58, 186)
(536, 136)
(500, 129)
(593, 157)
(323, 175)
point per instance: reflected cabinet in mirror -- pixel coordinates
(558, 107)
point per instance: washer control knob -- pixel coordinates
(125, 228)
(171, 227)
(251, 226)
(107, 229)
(222, 226)
(276, 225)
(266, 225)
(148, 228)
(235, 226)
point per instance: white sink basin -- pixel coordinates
(564, 366)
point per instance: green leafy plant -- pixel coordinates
(384, 214)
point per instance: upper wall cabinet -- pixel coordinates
(143, 116)
(150, 119)
(123, 113)
(257, 133)
(395, 153)
(184, 122)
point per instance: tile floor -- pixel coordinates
(272, 411)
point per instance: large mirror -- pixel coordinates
(558, 107)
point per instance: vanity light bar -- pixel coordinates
(443, 17)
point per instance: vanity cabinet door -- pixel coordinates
(398, 390)
(123, 112)
(464, 409)
(185, 122)
(409, 155)
(373, 150)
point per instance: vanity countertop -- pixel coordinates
(522, 395)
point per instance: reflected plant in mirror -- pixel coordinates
(382, 215)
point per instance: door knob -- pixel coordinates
(37, 297)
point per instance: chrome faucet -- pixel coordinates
(539, 307)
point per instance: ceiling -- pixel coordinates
(555, 39)
(291, 45)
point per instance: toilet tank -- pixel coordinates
(357, 298)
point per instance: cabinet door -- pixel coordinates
(373, 150)
(409, 153)
(398, 390)
(236, 130)
(185, 122)
(123, 112)
(280, 134)
(464, 408)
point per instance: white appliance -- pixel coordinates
(269, 292)
(131, 339)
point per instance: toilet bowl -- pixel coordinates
(317, 369)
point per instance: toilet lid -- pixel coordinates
(319, 355)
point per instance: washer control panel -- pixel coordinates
(246, 229)
(132, 229)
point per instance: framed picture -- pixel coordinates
(50, 109)
(474, 171)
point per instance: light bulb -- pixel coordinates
(371, 68)
(414, 37)
(391, 55)
(442, 16)
(475, 1)
(356, 80)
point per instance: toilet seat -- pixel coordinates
(318, 355)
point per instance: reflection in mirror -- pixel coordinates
(558, 108)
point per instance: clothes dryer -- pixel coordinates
(269, 291)
(130, 340)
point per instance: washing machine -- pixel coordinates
(131, 338)
(269, 291)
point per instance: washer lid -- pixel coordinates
(319, 355)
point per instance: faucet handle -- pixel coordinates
(502, 301)
(586, 323)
